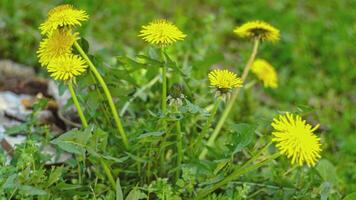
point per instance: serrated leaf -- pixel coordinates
(136, 194)
(73, 141)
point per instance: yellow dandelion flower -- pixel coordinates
(224, 79)
(66, 67)
(63, 16)
(296, 140)
(265, 72)
(161, 32)
(56, 45)
(258, 29)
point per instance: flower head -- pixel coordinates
(63, 16)
(56, 45)
(161, 32)
(66, 67)
(224, 79)
(258, 29)
(265, 72)
(296, 140)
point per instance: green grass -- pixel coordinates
(315, 58)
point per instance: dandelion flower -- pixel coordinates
(161, 32)
(63, 16)
(56, 45)
(296, 140)
(224, 79)
(265, 72)
(66, 67)
(258, 29)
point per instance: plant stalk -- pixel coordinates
(107, 93)
(164, 85)
(179, 146)
(206, 127)
(229, 106)
(77, 105)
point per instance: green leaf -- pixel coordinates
(10, 182)
(242, 135)
(21, 128)
(119, 195)
(30, 190)
(117, 160)
(55, 175)
(73, 141)
(151, 134)
(351, 196)
(150, 61)
(136, 194)
(131, 63)
(84, 44)
(327, 171)
(65, 186)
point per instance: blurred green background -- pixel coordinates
(315, 58)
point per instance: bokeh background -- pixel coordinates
(315, 58)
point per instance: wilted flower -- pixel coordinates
(176, 95)
(63, 16)
(265, 72)
(258, 29)
(161, 32)
(296, 140)
(66, 67)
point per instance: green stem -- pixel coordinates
(179, 146)
(83, 120)
(108, 173)
(85, 125)
(164, 107)
(77, 105)
(206, 127)
(235, 174)
(233, 97)
(164, 83)
(255, 157)
(107, 93)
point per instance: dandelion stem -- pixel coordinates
(107, 94)
(179, 145)
(229, 106)
(207, 125)
(82, 119)
(164, 85)
(85, 125)
(235, 174)
(77, 105)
